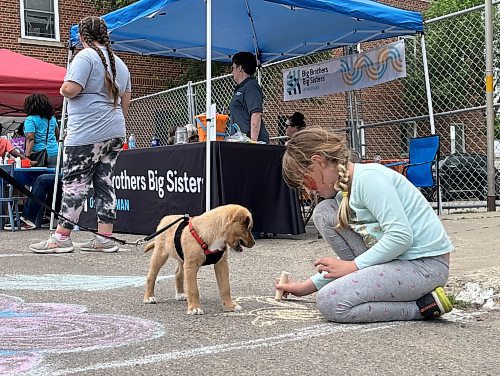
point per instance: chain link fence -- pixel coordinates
(161, 113)
(384, 117)
(456, 60)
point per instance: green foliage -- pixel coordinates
(460, 304)
(110, 5)
(442, 7)
(455, 54)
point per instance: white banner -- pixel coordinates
(352, 72)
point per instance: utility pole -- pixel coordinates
(490, 114)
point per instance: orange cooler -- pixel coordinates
(221, 123)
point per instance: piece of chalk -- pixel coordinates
(283, 279)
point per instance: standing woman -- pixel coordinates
(40, 127)
(98, 89)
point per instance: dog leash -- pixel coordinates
(9, 179)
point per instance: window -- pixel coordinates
(457, 138)
(40, 19)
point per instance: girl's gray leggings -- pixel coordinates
(384, 292)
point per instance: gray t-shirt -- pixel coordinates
(247, 99)
(91, 115)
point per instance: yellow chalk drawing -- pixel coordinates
(275, 311)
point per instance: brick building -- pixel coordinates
(40, 29)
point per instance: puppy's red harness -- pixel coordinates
(212, 256)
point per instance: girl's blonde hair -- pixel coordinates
(297, 162)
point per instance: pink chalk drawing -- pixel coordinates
(28, 330)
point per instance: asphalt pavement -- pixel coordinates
(82, 314)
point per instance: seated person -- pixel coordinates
(192, 133)
(294, 123)
(6, 147)
(43, 189)
(171, 136)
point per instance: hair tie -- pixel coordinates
(345, 193)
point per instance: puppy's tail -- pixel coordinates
(148, 247)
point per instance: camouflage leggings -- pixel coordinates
(85, 165)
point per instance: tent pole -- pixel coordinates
(431, 118)
(428, 85)
(209, 125)
(190, 102)
(60, 146)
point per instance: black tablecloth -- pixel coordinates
(153, 182)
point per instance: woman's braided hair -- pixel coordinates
(297, 162)
(94, 29)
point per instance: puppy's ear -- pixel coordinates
(247, 220)
(243, 217)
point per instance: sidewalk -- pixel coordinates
(92, 320)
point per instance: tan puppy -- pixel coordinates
(229, 225)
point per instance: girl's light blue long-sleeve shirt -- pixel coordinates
(393, 217)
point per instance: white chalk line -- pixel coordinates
(297, 335)
(25, 254)
(71, 282)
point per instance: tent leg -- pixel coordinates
(431, 118)
(428, 85)
(59, 149)
(210, 125)
(190, 103)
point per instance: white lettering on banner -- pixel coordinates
(182, 183)
(130, 182)
(156, 181)
(347, 73)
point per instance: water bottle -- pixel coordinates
(6, 159)
(131, 141)
(181, 135)
(18, 162)
(155, 141)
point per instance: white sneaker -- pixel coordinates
(96, 245)
(27, 224)
(52, 245)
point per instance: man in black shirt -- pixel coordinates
(246, 103)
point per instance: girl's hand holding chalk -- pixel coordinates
(283, 280)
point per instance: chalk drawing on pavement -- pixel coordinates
(297, 335)
(68, 282)
(301, 334)
(274, 311)
(28, 330)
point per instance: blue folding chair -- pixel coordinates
(423, 155)
(7, 198)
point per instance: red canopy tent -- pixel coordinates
(21, 76)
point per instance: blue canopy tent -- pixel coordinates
(274, 29)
